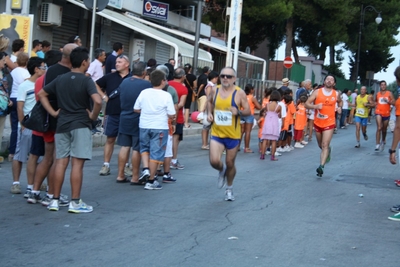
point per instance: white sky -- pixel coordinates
(387, 76)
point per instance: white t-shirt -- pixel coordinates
(345, 100)
(283, 109)
(26, 93)
(13, 58)
(19, 75)
(95, 70)
(155, 105)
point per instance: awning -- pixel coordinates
(223, 48)
(180, 47)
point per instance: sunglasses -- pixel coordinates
(43, 67)
(225, 76)
(124, 57)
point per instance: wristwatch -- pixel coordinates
(392, 151)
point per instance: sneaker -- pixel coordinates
(64, 201)
(377, 148)
(382, 146)
(304, 143)
(365, 136)
(287, 148)
(328, 159)
(167, 178)
(16, 189)
(154, 186)
(104, 170)
(53, 205)
(335, 131)
(298, 145)
(46, 200)
(81, 207)
(27, 192)
(34, 198)
(268, 152)
(177, 166)
(343, 127)
(229, 195)
(357, 145)
(369, 123)
(127, 171)
(291, 147)
(144, 176)
(222, 177)
(320, 171)
(277, 154)
(395, 217)
(281, 150)
(395, 209)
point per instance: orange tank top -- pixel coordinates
(382, 104)
(251, 104)
(325, 117)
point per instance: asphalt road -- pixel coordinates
(283, 214)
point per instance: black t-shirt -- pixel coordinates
(202, 80)
(51, 74)
(110, 63)
(110, 83)
(129, 91)
(73, 92)
(190, 78)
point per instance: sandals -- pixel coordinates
(248, 150)
(122, 181)
(207, 147)
(273, 158)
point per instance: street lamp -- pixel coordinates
(378, 20)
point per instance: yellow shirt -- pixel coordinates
(361, 110)
(33, 54)
(226, 125)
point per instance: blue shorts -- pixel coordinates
(154, 142)
(111, 125)
(37, 145)
(363, 121)
(247, 119)
(229, 143)
(128, 141)
(383, 118)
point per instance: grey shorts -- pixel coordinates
(76, 143)
(24, 142)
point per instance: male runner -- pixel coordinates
(325, 100)
(225, 105)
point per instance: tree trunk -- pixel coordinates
(295, 53)
(322, 52)
(289, 37)
(332, 54)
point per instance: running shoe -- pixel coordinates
(167, 178)
(127, 171)
(357, 145)
(395, 217)
(395, 209)
(229, 195)
(320, 171)
(382, 146)
(34, 198)
(328, 159)
(144, 176)
(16, 189)
(80, 207)
(105, 170)
(377, 147)
(222, 177)
(53, 205)
(27, 192)
(177, 166)
(298, 145)
(63, 201)
(154, 186)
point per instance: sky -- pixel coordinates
(387, 76)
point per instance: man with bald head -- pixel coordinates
(46, 166)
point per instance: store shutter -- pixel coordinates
(69, 27)
(162, 52)
(123, 35)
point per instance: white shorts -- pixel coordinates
(168, 150)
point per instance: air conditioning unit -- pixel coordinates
(50, 15)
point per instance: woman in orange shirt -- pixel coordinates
(248, 121)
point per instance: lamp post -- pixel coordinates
(378, 20)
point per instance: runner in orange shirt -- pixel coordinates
(325, 100)
(383, 100)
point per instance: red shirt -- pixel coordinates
(181, 90)
(38, 85)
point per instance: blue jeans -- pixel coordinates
(343, 117)
(154, 142)
(14, 126)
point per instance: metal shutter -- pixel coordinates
(123, 35)
(69, 27)
(162, 52)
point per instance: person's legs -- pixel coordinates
(247, 130)
(59, 173)
(385, 124)
(14, 127)
(310, 129)
(187, 111)
(2, 124)
(273, 149)
(357, 131)
(135, 159)
(343, 118)
(123, 156)
(42, 169)
(378, 119)
(31, 169)
(230, 166)
(216, 149)
(325, 142)
(76, 177)
(204, 138)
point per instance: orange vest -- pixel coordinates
(301, 118)
(325, 117)
(382, 108)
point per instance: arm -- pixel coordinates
(242, 103)
(392, 100)
(256, 104)
(182, 101)
(46, 104)
(210, 105)
(101, 93)
(311, 99)
(200, 88)
(20, 110)
(396, 139)
(96, 107)
(11, 65)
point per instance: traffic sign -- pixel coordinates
(288, 62)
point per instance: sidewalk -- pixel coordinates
(98, 139)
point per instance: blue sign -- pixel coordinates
(155, 10)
